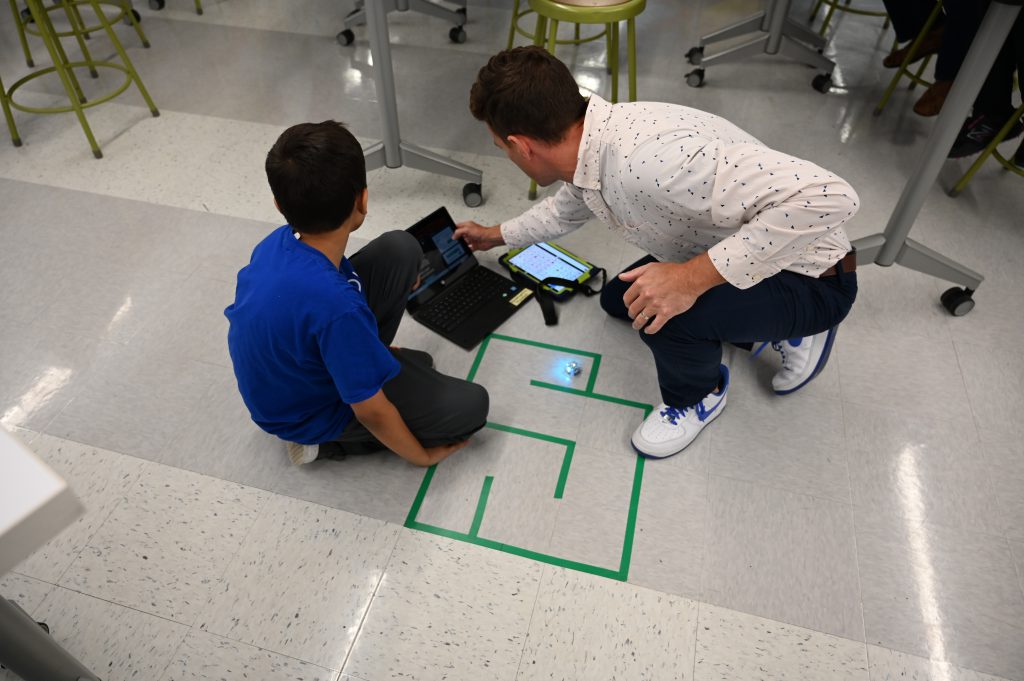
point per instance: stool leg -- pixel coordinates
(124, 57)
(15, 138)
(814, 12)
(983, 156)
(553, 36)
(136, 25)
(199, 7)
(828, 17)
(920, 70)
(540, 33)
(576, 33)
(512, 28)
(911, 53)
(77, 27)
(65, 73)
(613, 57)
(21, 33)
(58, 47)
(631, 55)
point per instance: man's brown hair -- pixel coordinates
(527, 91)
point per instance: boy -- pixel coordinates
(310, 329)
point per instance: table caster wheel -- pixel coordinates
(472, 195)
(695, 54)
(822, 82)
(958, 301)
(695, 78)
(462, 11)
(345, 38)
(457, 35)
(156, 4)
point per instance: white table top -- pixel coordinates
(35, 502)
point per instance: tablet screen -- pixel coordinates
(541, 261)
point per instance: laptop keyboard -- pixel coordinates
(473, 290)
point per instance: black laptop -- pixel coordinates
(458, 297)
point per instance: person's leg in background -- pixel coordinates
(438, 409)
(963, 17)
(908, 18)
(688, 349)
(994, 103)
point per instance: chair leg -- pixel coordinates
(124, 57)
(21, 33)
(613, 57)
(199, 6)
(512, 28)
(986, 152)
(137, 26)
(631, 55)
(78, 26)
(15, 138)
(42, 19)
(911, 53)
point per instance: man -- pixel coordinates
(310, 328)
(746, 244)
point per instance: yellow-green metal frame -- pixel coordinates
(516, 28)
(65, 68)
(834, 5)
(904, 68)
(991, 150)
(550, 14)
(78, 28)
(5, 105)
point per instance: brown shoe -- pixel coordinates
(933, 98)
(930, 45)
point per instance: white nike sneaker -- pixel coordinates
(669, 430)
(302, 454)
(802, 360)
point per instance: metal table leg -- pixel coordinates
(391, 151)
(894, 246)
(29, 652)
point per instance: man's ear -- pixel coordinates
(523, 145)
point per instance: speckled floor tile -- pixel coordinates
(99, 479)
(301, 582)
(162, 550)
(734, 646)
(586, 627)
(205, 657)
(27, 592)
(116, 643)
(446, 610)
(890, 665)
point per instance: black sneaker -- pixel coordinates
(978, 131)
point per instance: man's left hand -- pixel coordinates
(662, 290)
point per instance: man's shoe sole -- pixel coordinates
(821, 362)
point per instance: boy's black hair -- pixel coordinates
(316, 171)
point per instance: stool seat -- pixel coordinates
(589, 11)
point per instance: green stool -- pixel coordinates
(834, 5)
(516, 28)
(551, 13)
(904, 68)
(991, 150)
(25, 24)
(65, 69)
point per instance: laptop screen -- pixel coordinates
(442, 255)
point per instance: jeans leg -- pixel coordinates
(388, 266)
(963, 19)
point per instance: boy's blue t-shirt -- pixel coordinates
(303, 341)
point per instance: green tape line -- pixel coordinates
(634, 505)
(530, 433)
(646, 408)
(479, 358)
(420, 496)
(563, 474)
(593, 373)
(481, 504)
(518, 551)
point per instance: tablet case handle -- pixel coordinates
(547, 301)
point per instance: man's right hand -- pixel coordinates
(478, 237)
(441, 452)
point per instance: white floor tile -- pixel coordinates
(205, 657)
(733, 646)
(446, 610)
(301, 582)
(891, 665)
(162, 549)
(587, 627)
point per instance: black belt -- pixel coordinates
(847, 264)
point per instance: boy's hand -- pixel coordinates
(441, 452)
(478, 237)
